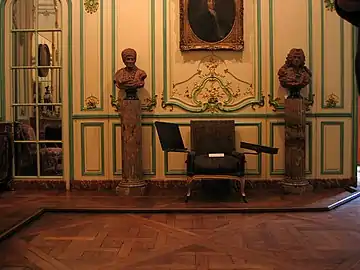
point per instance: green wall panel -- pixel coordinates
(84, 126)
(327, 151)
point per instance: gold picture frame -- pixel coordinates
(211, 25)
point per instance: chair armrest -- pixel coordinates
(190, 163)
(239, 156)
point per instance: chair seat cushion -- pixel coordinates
(228, 164)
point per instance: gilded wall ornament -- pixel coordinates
(91, 6)
(332, 101)
(148, 105)
(91, 103)
(274, 103)
(329, 5)
(309, 102)
(214, 88)
(165, 105)
(115, 103)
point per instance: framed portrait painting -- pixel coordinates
(211, 25)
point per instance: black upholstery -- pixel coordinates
(214, 137)
(53, 133)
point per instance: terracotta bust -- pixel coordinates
(294, 75)
(130, 78)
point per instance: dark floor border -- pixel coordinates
(354, 194)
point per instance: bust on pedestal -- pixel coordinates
(130, 79)
(294, 76)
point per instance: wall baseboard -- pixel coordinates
(161, 187)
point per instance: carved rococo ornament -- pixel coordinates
(274, 103)
(332, 101)
(329, 5)
(148, 105)
(165, 105)
(309, 102)
(91, 103)
(115, 103)
(214, 88)
(91, 6)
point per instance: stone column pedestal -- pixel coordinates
(132, 182)
(295, 135)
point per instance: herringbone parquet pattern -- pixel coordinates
(318, 241)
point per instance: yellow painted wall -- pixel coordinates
(151, 27)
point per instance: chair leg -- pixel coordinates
(188, 194)
(242, 189)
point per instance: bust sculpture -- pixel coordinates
(130, 78)
(294, 75)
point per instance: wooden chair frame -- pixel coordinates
(201, 177)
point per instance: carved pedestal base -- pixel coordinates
(131, 191)
(295, 127)
(293, 187)
(132, 171)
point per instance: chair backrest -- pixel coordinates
(24, 132)
(214, 136)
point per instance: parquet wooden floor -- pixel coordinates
(18, 205)
(307, 241)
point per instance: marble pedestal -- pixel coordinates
(132, 182)
(295, 157)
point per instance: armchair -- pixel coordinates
(213, 154)
(26, 154)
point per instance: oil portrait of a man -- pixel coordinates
(211, 20)
(211, 24)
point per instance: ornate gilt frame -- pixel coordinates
(233, 41)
